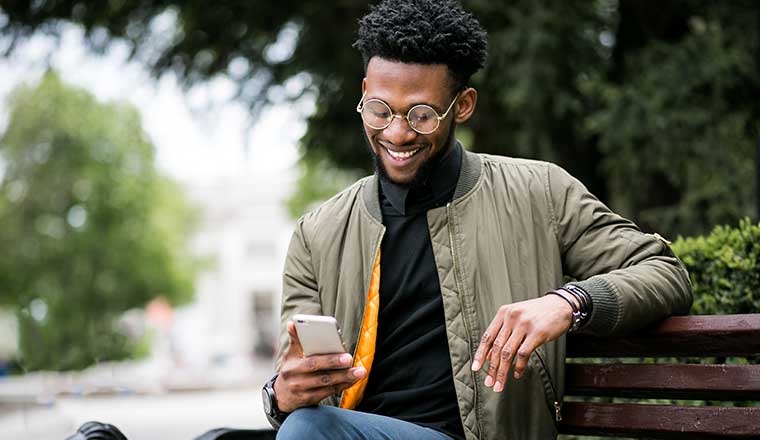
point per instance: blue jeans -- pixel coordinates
(331, 423)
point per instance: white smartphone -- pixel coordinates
(318, 334)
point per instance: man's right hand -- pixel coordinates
(305, 381)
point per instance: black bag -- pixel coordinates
(105, 431)
(238, 434)
(97, 431)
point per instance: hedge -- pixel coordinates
(724, 267)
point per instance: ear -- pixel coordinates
(465, 105)
(364, 85)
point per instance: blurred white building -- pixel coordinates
(244, 233)
(8, 337)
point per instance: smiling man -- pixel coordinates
(445, 268)
(407, 147)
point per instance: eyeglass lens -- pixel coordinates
(422, 118)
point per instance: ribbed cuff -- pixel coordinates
(605, 317)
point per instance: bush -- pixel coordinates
(89, 228)
(724, 267)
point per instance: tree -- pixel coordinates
(654, 105)
(88, 227)
(677, 118)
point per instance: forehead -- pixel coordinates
(400, 83)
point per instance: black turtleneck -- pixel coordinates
(411, 377)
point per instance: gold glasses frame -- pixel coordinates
(393, 115)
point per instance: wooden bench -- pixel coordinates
(696, 337)
(702, 339)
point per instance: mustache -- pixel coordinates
(420, 176)
(423, 172)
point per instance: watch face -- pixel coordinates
(267, 401)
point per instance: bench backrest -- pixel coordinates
(701, 339)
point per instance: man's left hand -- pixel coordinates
(515, 332)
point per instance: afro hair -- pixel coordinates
(424, 32)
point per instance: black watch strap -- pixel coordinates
(272, 411)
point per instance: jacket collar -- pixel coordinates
(468, 177)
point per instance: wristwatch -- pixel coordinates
(276, 417)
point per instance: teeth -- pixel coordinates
(402, 155)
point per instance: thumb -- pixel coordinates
(295, 343)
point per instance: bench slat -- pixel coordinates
(660, 421)
(664, 381)
(689, 336)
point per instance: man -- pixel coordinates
(445, 269)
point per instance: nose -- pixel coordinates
(399, 132)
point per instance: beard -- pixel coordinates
(423, 172)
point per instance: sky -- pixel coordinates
(200, 134)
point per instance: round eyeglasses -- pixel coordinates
(421, 118)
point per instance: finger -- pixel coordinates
(485, 342)
(295, 347)
(336, 378)
(316, 395)
(494, 359)
(488, 355)
(523, 354)
(319, 362)
(483, 348)
(506, 356)
(312, 396)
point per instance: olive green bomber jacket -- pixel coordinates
(513, 229)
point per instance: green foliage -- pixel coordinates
(724, 268)
(678, 132)
(653, 105)
(87, 226)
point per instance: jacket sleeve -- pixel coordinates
(633, 278)
(300, 292)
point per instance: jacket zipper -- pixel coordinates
(366, 289)
(361, 324)
(557, 404)
(461, 305)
